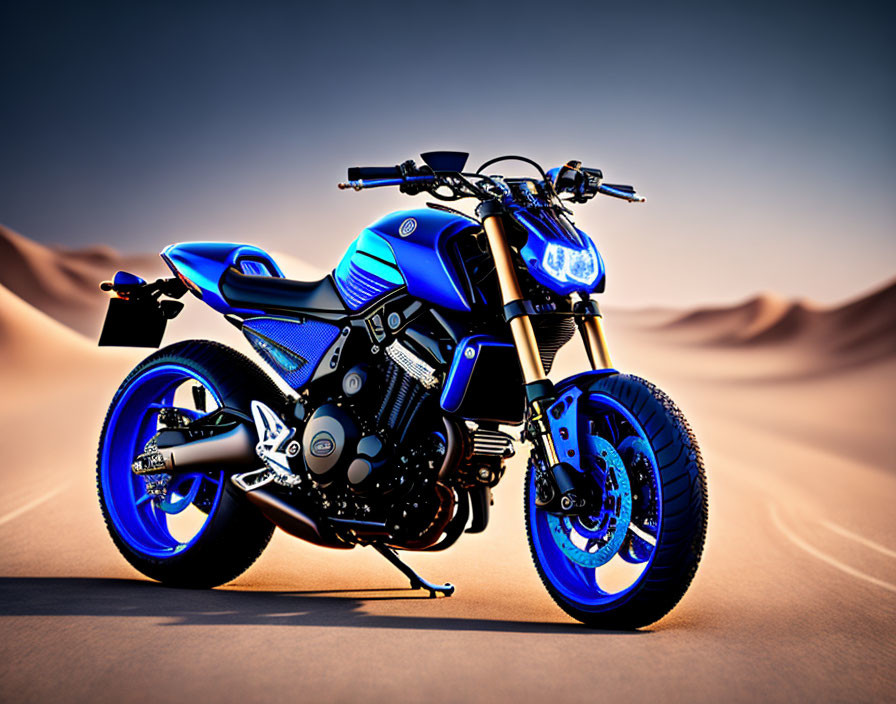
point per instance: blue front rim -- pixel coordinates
(154, 527)
(604, 586)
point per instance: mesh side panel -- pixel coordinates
(291, 347)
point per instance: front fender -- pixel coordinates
(563, 413)
(582, 380)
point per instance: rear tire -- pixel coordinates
(681, 531)
(235, 532)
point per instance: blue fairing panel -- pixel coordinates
(542, 229)
(367, 271)
(204, 263)
(407, 248)
(461, 370)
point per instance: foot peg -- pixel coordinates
(417, 582)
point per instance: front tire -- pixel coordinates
(661, 509)
(231, 532)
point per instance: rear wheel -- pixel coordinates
(631, 560)
(188, 530)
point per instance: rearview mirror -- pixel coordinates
(445, 161)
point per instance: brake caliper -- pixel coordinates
(592, 540)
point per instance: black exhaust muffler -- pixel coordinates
(230, 450)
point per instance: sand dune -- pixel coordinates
(859, 331)
(27, 333)
(40, 357)
(62, 283)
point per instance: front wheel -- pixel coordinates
(629, 562)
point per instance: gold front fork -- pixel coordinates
(520, 328)
(538, 426)
(592, 331)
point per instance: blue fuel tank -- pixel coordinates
(409, 248)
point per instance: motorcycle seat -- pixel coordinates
(269, 293)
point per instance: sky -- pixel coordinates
(761, 133)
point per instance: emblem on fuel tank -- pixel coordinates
(407, 227)
(322, 444)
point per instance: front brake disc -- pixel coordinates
(592, 541)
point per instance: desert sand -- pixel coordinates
(795, 599)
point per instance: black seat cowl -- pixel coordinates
(269, 293)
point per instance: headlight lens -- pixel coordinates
(568, 264)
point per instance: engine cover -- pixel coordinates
(330, 442)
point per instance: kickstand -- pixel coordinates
(417, 582)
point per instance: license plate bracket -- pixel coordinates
(137, 322)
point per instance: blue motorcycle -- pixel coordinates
(405, 368)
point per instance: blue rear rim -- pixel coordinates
(158, 527)
(598, 588)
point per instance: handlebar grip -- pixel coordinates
(617, 190)
(359, 173)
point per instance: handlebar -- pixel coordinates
(581, 182)
(406, 176)
(358, 184)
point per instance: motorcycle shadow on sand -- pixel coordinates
(80, 596)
